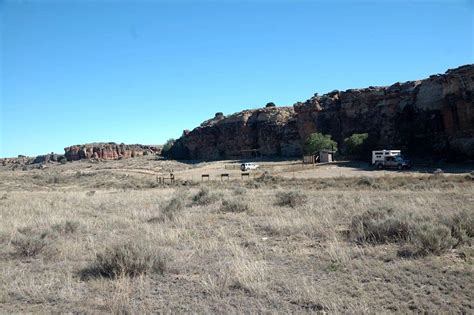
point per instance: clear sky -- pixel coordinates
(142, 71)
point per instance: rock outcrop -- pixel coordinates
(108, 151)
(434, 116)
(266, 131)
(27, 160)
(18, 161)
(48, 158)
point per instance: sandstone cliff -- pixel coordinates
(107, 151)
(434, 116)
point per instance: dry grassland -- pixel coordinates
(76, 239)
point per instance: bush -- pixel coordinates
(172, 209)
(291, 198)
(420, 235)
(240, 191)
(356, 145)
(271, 104)
(266, 177)
(68, 227)
(431, 238)
(318, 141)
(380, 226)
(205, 197)
(129, 259)
(28, 243)
(461, 226)
(167, 147)
(234, 206)
(174, 206)
(366, 181)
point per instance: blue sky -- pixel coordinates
(142, 71)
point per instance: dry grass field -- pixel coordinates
(108, 238)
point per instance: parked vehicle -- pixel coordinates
(380, 155)
(248, 166)
(389, 159)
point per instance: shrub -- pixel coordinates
(356, 145)
(291, 198)
(234, 206)
(318, 141)
(68, 227)
(175, 205)
(366, 181)
(28, 243)
(266, 177)
(380, 226)
(420, 235)
(461, 226)
(167, 147)
(240, 191)
(130, 259)
(205, 197)
(431, 238)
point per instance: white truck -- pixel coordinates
(248, 166)
(389, 159)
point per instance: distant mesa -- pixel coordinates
(108, 151)
(430, 117)
(98, 151)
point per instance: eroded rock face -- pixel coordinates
(18, 161)
(434, 116)
(107, 151)
(26, 160)
(266, 131)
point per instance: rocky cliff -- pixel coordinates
(100, 151)
(107, 151)
(434, 116)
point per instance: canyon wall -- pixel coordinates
(434, 116)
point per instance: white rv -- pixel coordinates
(389, 159)
(379, 156)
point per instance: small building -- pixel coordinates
(326, 156)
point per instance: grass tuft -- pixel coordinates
(380, 226)
(205, 197)
(291, 199)
(29, 243)
(173, 208)
(68, 227)
(130, 259)
(234, 206)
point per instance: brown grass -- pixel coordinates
(352, 245)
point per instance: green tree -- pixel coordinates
(318, 141)
(356, 145)
(167, 146)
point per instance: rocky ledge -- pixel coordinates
(434, 116)
(98, 151)
(108, 151)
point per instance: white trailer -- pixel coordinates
(389, 159)
(380, 155)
